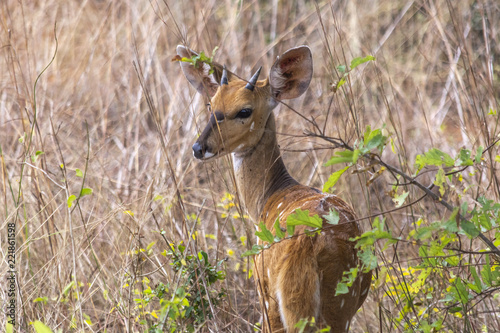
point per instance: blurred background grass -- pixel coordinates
(434, 81)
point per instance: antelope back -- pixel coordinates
(297, 278)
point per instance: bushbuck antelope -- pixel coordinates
(296, 278)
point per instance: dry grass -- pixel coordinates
(433, 83)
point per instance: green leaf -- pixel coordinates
(214, 51)
(368, 238)
(279, 233)
(264, 234)
(150, 245)
(348, 278)
(342, 157)
(355, 155)
(486, 272)
(451, 224)
(203, 257)
(477, 280)
(87, 319)
(332, 217)
(368, 134)
(341, 289)
(463, 158)
(341, 68)
(301, 217)
(358, 61)
(440, 181)
(368, 259)
(400, 199)
(334, 177)
(341, 82)
(41, 300)
(484, 221)
(41, 327)
(70, 200)
(473, 287)
(301, 325)
(256, 249)
(469, 228)
(462, 291)
(337, 160)
(479, 153)
(373, 139)
(290, 229)
(86, 191)
(376, 142)
(79, 173)
(35, 157)
(67, 288)
(434, 157)
(425, 232)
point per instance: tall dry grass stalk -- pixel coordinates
(434, 81)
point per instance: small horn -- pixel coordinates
(251, 84)
(223, 79)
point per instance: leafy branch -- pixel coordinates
(375, 139)
(345, 71)
(197, 59)
(298, 218)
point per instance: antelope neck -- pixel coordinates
(261, 172)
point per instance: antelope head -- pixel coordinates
(240, 109)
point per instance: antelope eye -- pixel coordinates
(244, 113)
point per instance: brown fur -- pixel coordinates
(296, 278)
(296, 265)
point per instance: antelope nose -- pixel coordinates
(197, 150)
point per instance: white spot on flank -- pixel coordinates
(268, 274)
(364, 291)
(208, 154)
(342, 303)
(267, 305)
(280, 204)
(237, 161)
(347, 325)
(354, 293)
(317, 300)
(280, 302)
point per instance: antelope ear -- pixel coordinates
(291, 73)
(200, 78)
